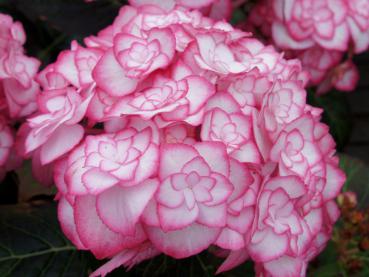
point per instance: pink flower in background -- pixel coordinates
(319, 33)
(17, 71)
(11, 31)
(18, 89)
(343, 77)
(318, 61)
(302, 24)
(6, 143)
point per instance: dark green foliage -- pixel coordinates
(336, 114)
(52, 24)
(32, 244)
(357, 174)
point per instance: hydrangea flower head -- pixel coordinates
(18, 88)
(170, 132)
(319, 33)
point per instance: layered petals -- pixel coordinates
(171, 132)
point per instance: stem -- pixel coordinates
(39, 253)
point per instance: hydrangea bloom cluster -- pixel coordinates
(170, 132)
(324, 35)
(18, 90)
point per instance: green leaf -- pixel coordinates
(325, 264)
(204, 264)
(238, 16)
(337, 114)
(31, 244)
(357, 178)
(51, 25)
(326, 270)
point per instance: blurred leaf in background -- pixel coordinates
(347, 254)
(32, 244)
(357, 174)
(52, 24)
(336, 115)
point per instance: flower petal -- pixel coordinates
(111, 77)
(120, 208)
(64, 139)
(185, 242)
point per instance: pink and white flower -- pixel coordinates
(216, 56)
(17, 71)
(170, 132)
(181, 98)
(319, 33)
(240, 211)
(179, 133)
(195, 184)
(296, 263)
(126, 158)
(280, 228)
(224, 122)
(358, 23)
(121, 163)
(55, 130)
(76, 65)
(132, 58)
(318, 61)
(302, 24)
(18, 89)
(343, 77)
(249, 90)
(283, 104)
(128, 258)
(296, 149)
(81, 223)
